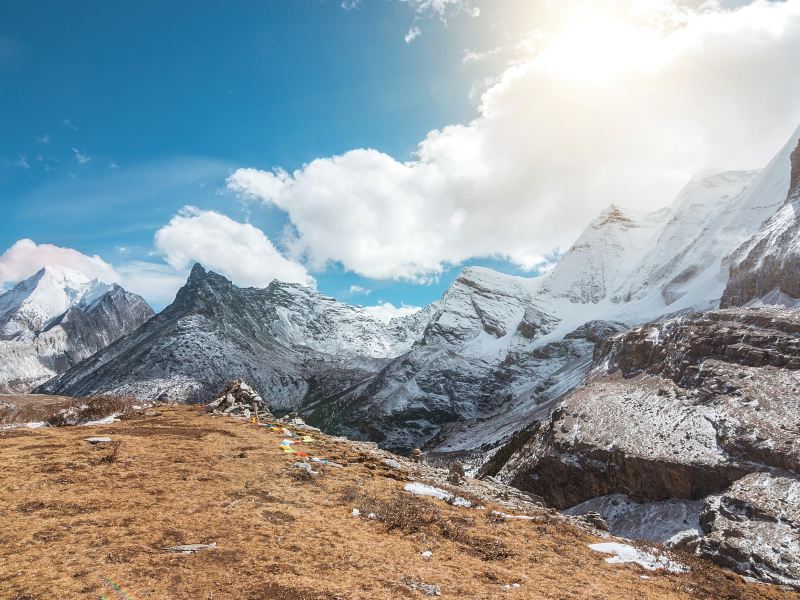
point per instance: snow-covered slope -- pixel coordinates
(32, 304)
(55, 319)
(710, 215)
(769, 261)
(604, 255)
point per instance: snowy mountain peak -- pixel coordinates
(27, 308)
(605, 252)
(612, 215)
(56, 318)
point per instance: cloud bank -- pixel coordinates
(26, 257)
(386, 311)
(618, 102)
(239, 251)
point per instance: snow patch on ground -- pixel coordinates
(421, 489)
(624, 554)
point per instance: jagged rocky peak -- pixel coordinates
(764, 268)
(482, 302)
(288, 340)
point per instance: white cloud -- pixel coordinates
(618, 102)
(387, 311)
(443, 8)
(156, 282)
(26, 257)
(81, 157)
(412, 34)
(239, 251)
(357, 289)
(473, 56)
(43, 140)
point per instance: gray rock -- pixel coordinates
(754, 528)
(428, 589)
(190, 548)
(304, 466)
(392, 463)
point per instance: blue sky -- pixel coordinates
(118, 115)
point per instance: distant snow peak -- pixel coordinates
(29, 306)
(57, 317)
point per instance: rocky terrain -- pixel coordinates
(55, 319)
(702, 407)
(610, 384)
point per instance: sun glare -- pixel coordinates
(602, 48)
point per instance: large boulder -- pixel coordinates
(754, 528)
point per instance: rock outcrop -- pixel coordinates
(698, 407)
(754, 528)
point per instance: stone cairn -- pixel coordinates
(240, 400)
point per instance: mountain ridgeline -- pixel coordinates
(491, 353)
(613, 382)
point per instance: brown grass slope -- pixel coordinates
(82, 521)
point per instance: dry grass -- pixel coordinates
(18, 409)
(74, 523)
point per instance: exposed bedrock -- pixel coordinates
(702, 406)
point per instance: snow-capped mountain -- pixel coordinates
(479, 356)
(57, 318)
(492, 353)
(289, 341)
(605, 254)
(768, 262)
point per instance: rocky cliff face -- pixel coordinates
(686, 408)
(57, 318)
(766, 265)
